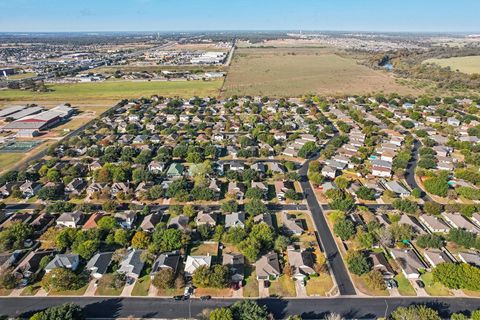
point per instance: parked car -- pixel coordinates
(420, 284)
(188, 291)
(205, 297)
(179, 298)
(390, 284)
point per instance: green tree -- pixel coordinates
(122, 237)
(164, 279)
(107, 223)
(255, 207)
(357, 263)
(62, 279)
(345, 229)
(249, 309)
(221, 314)
(140, 240)
(67, 311)
(419, 312)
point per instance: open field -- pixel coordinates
(470, 64)
(113, 91)
(22, 76)
(299, 71)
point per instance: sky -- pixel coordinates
(203, 15)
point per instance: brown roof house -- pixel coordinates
(302, 263)
(268, 267)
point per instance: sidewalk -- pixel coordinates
(91, 289)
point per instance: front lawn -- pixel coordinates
(404, 286)
(283, 287)
(5, 292)
(214, 292)
(434, 288)
(250, 289)
(104, 289)
(78, 292)
(142, 286)
(319, 286)
(31, 290)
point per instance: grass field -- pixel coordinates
(284, 286)
(114, 91)
(319, 286)
(469, 64)
(404, 286)
(299, 71)
(141, 286)
(434, 288)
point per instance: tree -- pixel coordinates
(67, 311)
(122, 237)
(374, 280)
(416, 193)
(418, 312)
(430, 241)
(213, 277)
(107, 223)
(437, 185)
(281, 243)
(345, 229)
(229, 206)
(342, 182)
(87, 248)
(164, 279)
(140, 240)
(118, 280)
(254, 193)
(308, 150)
(221, 314)
(255, 207)
(14, 235)
(7, 280)
(433, 208)
(458, 276)
(405, 205)
(249, 309)
(62, 279)
(366, 193)
(235, 235)
(357, 263)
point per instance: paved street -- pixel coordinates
(359, 308)
(337, 266)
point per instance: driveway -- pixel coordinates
(91, 289)
(263, 291)
(301, 289)
(127, 290)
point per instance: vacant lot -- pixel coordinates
(299, 71)
(84, 93)
(463, 64)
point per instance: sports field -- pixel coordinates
(113, 91)
(299, 71)
(468, 65)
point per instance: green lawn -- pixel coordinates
(30, 290)
(202, 249)
(116, 90)
(141, 286)
(283, 287)
(78, 292)
(434, 288)
(404, 286)
(470, 64)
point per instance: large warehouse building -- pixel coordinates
(40, 121)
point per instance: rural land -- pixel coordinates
(240, 175)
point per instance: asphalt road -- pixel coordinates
(350, 308)
(410, 172)
(337, 265)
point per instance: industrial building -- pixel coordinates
(39, 121)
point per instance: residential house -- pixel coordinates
(69, 219)
(175, 170)
(92, 222)
(76, 186)
(408, 261)
(99, 263)
(458, 221)
(268, 267)
(193, 262)
(265, 218)
(472, 258)
(236, 264)
(132, 264)
(412, 221)
(204, 218)
(329, 172)
(30, 265)
(67, 261)
(434, 224)
(280, 190)
(435, 257)
(397, 188)
(302, 263)
(380, 263)
(179, 222)
(126, 219)
(237, 189)
(29, 189)
(293, 225)
(168, 260)
(235, 219)
(150, 221)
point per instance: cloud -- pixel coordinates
(86, 13)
